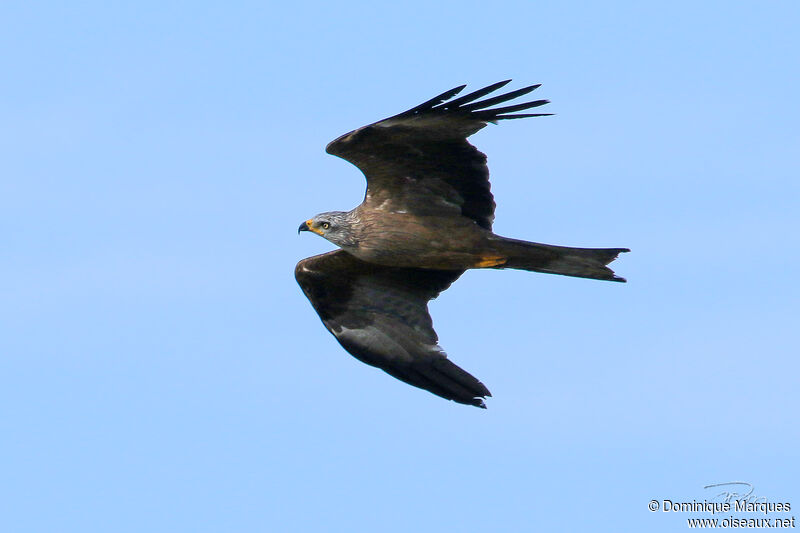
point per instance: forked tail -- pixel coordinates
(578, 262)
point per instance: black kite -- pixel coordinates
(425, 219)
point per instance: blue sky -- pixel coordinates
(161, 370)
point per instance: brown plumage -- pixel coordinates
(425, 219)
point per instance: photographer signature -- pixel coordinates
(731, 492)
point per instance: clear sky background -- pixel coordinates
(161, 371)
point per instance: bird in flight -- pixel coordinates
(425, 219)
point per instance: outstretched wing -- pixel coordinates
(380, 315)
(420, 161)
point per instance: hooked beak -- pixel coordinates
(307, 226)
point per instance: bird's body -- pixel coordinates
(425, 219)
(404, 240)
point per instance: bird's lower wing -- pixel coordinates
(380, 315)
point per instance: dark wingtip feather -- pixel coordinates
(516, 107)
(509, 111)
(482, 104)
(436, 100)
(474, 95)
(443, 378)
(521, 115)
(466, 106)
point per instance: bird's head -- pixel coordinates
(334, 226)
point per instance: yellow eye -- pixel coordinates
(325, 225)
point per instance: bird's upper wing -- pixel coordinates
(420, 161)
(380, 315)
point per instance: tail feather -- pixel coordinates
(579, 262)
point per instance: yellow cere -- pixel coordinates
(312, 228)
